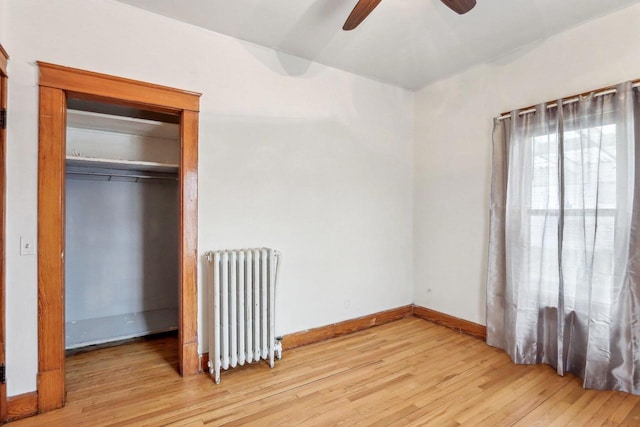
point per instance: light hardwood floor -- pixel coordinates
(410, 372)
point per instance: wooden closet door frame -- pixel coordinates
(56, 84)
(4, 58)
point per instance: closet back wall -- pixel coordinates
(122, 251)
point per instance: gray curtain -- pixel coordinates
(564, 253)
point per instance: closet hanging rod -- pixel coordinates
(170, 178)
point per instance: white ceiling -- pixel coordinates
(409, 43)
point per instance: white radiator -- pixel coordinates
(242, 308)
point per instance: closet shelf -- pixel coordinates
(129, 165)
(121, 124)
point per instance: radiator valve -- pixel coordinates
(278, 348)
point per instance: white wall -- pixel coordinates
(3, 20)
(452, 163)
(310, 160)
(121, 247)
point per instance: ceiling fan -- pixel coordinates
(365, 7)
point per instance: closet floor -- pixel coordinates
(82, 333)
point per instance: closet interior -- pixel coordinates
(121, 223)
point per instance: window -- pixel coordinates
(588, 161)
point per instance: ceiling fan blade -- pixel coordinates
(460, 6)
(359, 13)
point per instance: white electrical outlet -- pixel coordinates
(27, 246)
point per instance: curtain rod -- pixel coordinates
(574, 98)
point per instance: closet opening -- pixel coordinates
(86, 96)
(121, 224)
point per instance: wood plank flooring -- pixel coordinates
(410, 372)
